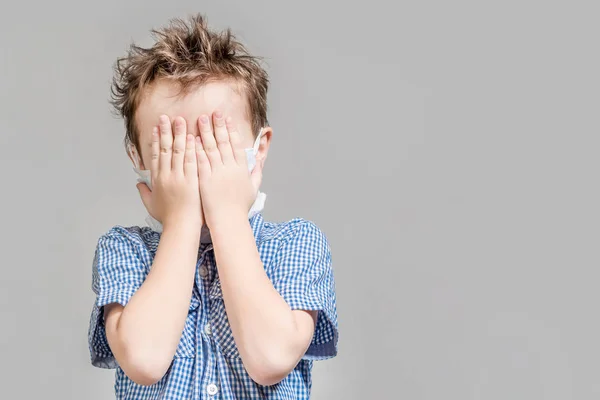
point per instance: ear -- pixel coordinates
(264, 143)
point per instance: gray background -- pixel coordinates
(448, 150)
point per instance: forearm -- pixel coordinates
(150, 326)
(263, 325)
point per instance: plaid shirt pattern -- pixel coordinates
(207, 365)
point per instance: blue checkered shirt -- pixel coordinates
(207, 365)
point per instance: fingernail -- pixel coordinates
(204, 119)
(163, 119)
(218, 114)
(155, 131)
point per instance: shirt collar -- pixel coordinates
(256, 223)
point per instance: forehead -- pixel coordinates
(165, 97)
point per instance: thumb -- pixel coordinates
(145, 194)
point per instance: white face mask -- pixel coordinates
(144, 175)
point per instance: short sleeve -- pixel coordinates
(118, 272)
(303, 276)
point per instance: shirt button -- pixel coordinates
(207, 329)
(212, 389)
(203, 271)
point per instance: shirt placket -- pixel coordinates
(208, 381)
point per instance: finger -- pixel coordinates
(208, 141)
(202, 160)
(179, 139)
(222, 138)
(154, 153)
(190, 166)
(166, 144)
(235, 139)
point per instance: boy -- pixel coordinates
(210, 301)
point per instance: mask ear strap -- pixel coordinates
(257, 141)
(134, 156)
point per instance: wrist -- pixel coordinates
(184, 223)
(226, 222)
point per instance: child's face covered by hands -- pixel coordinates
(216, 117)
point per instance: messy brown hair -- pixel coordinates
(190, 54)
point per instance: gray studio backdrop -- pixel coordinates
(448, 150)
